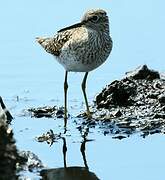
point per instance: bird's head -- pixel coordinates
(96, 19)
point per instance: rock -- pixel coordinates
(60, 113)
(47, 111)
(119, 137)
(11, 162)
(118, 113)
(157, 116)
(133, 104)
(118, 93)
(161, 98)
(8, 151)
(142, 72)
(4, 112)
(50, 137)
(152, 95)
(31, 161)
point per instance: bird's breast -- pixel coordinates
(84, 52)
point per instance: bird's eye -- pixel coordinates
(94, 18)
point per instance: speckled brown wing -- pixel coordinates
(54, 45)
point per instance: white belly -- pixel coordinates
(71, 64)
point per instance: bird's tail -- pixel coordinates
(48, 44)
(43, 41)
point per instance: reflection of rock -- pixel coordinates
(69, 173)
(135, 103)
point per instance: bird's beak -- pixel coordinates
(72, 26)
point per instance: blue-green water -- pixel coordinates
(137, 30)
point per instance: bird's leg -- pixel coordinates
(83, 85)
(65, 98)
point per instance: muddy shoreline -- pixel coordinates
(134, 104)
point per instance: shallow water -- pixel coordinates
(30, 78)
(130, 158)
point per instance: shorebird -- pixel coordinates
(81, 47)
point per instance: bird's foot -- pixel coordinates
(87, 115)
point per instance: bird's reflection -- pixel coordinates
(64, 151)
(82, 149)
(73, 172)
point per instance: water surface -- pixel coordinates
(36, 79)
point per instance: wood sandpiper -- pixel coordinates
(81, 47)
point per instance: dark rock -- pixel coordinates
(133, 104)
(145, 134)
(142, 72)
(7, 113)
(118, 93)
(106, 132)
(156, 116)
(162, 99)
(11, 162)
(162, 109)
(119, 137)
(9, 157)
(60, 113)
(118, 113)
(123, 124)
(8, 151)
(155, 131)
(32, 162)
(47, 111)
(152, 95)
